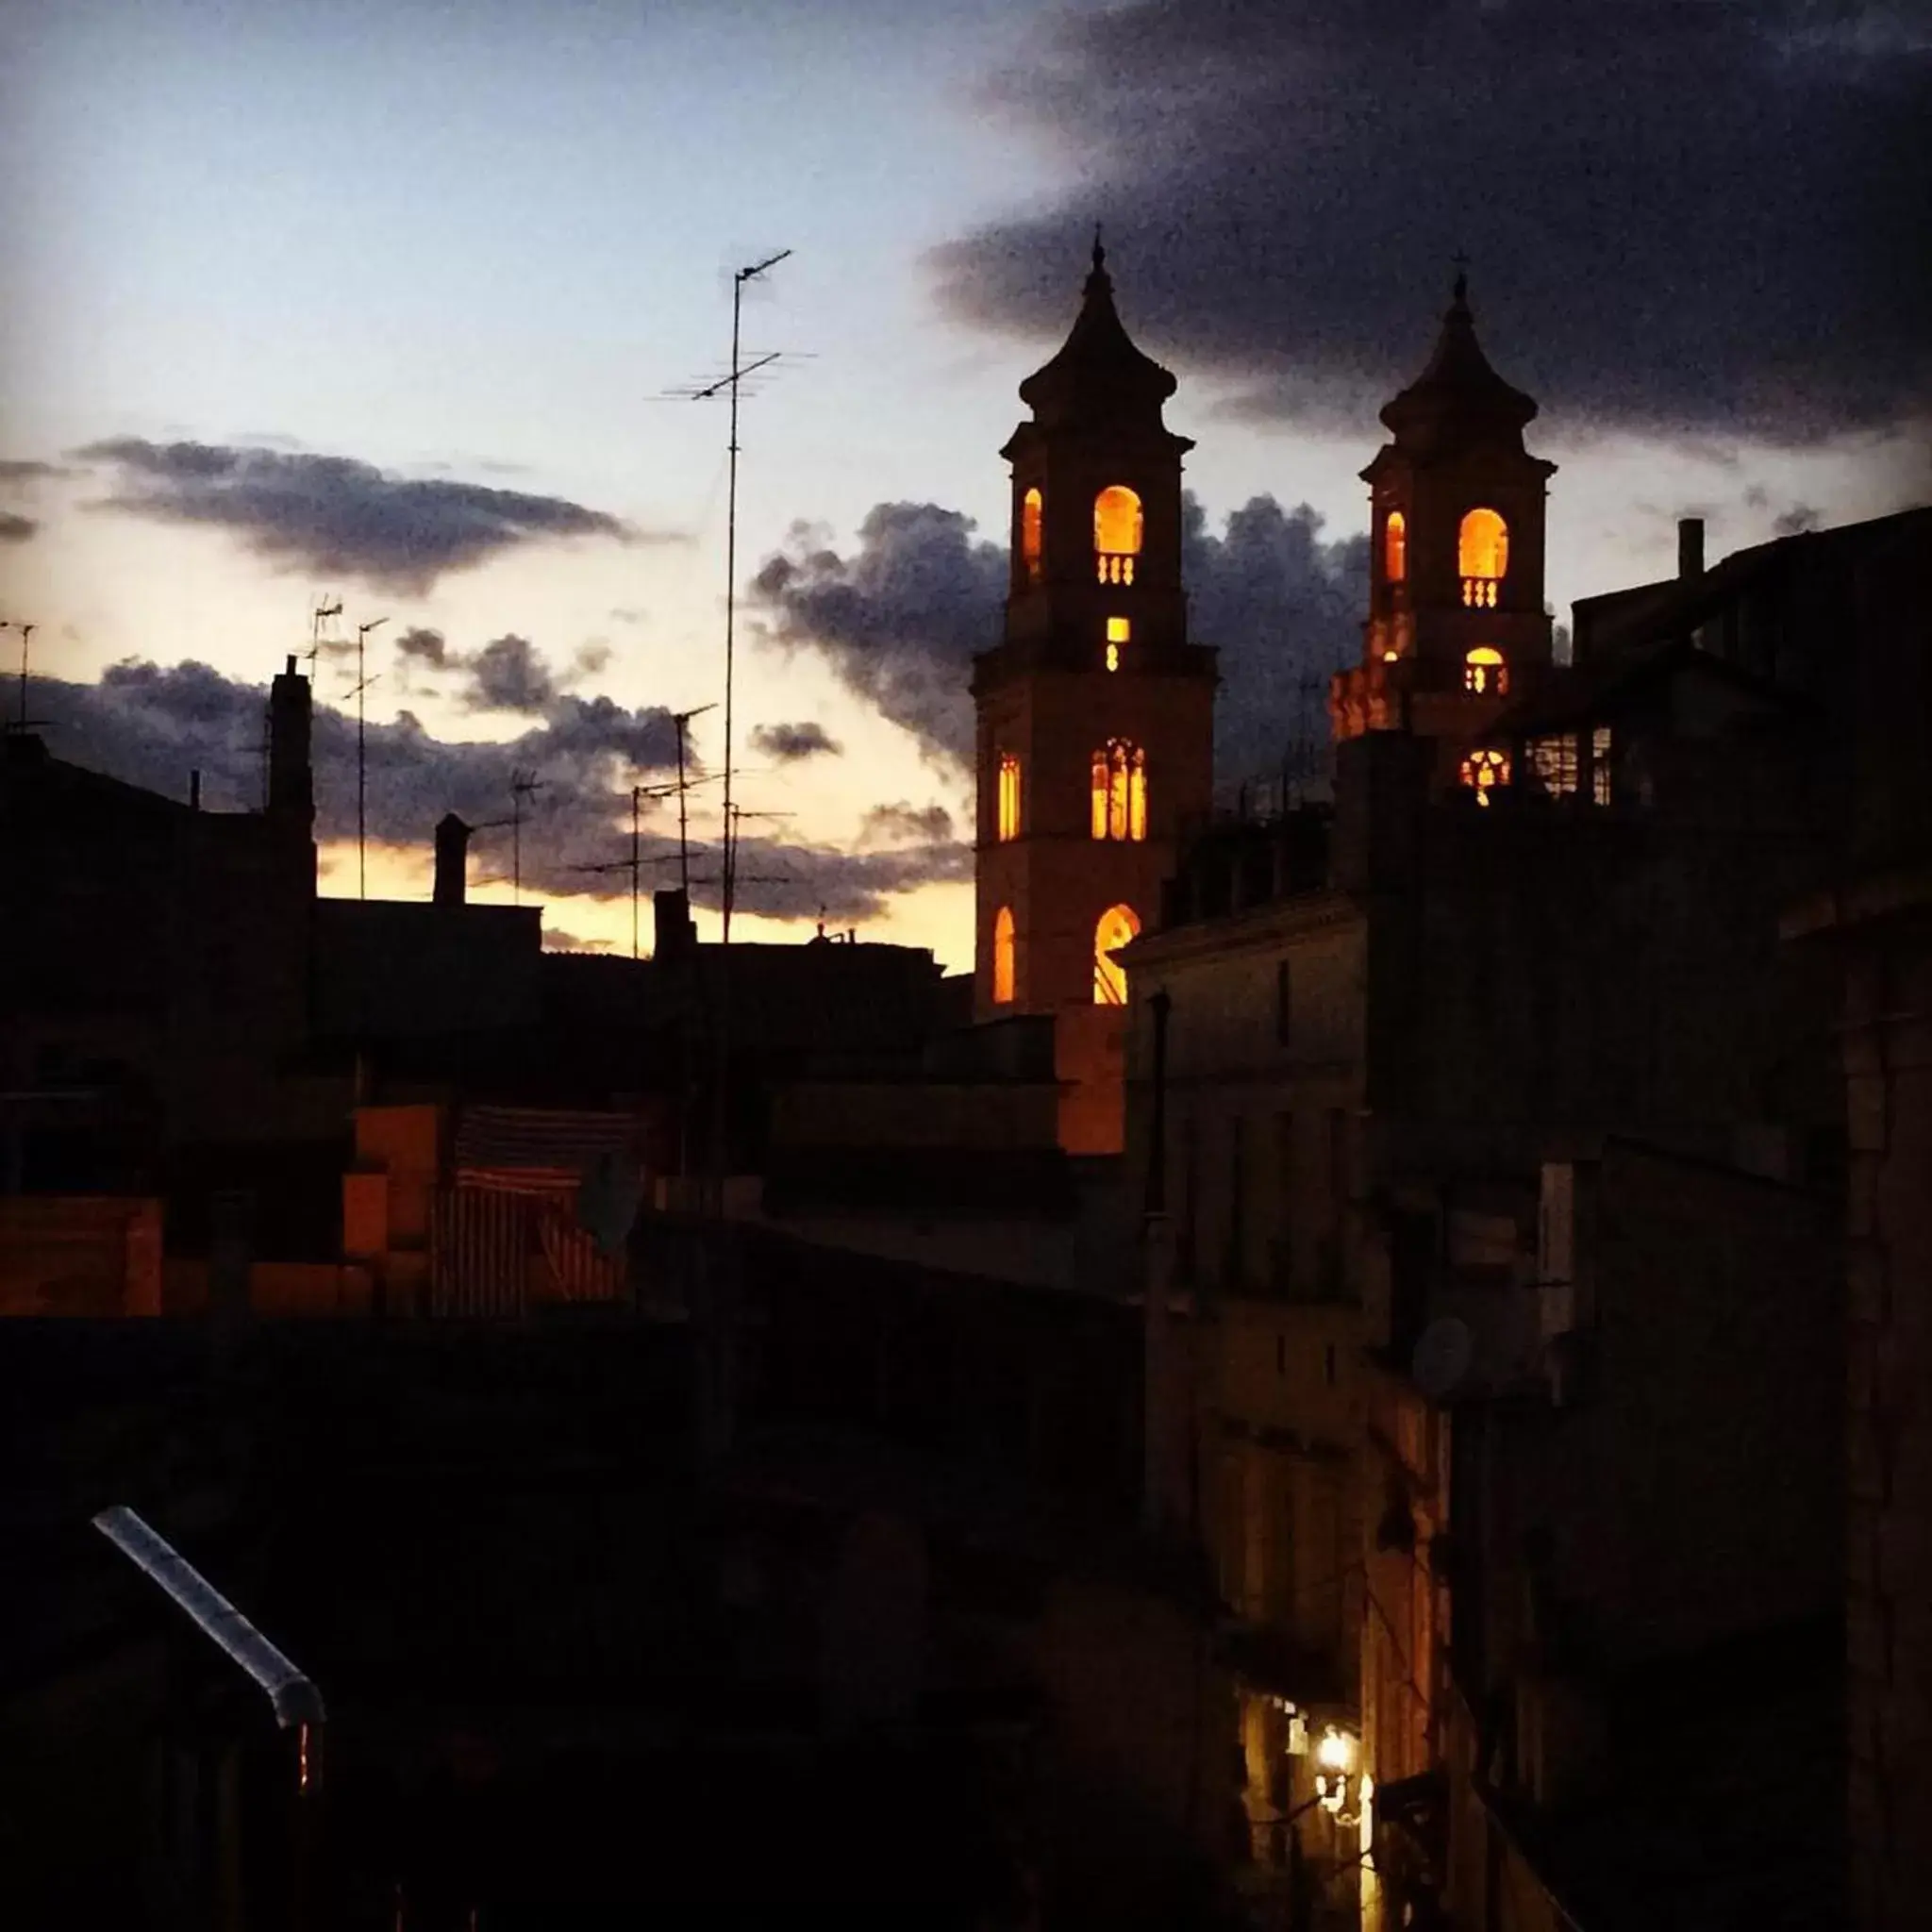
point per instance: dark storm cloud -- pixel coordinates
(900, 616)
(787, 744)
(786, 880)
(336, 517)
(151, 726)
(896, 824)
(15, 529)
(418, 644)
(15, 469)
(1684, 217)
(508, 673)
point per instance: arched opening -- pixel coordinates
(1117, 525)
(1482, 557)
(1483, 771)
(1485, 672)
(1030, 509)
(1118, 924)
(1120, 791)
(1396, 547)
(1003, 956)
(1010, 795)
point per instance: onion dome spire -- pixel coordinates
(1459, 398)
(1099, 376)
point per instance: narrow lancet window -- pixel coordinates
(1009, 796)
(1003, 956)
(1030, 509)
(1120, 791)
(1396, 547)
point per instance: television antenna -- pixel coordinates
(730, 385)
(681, 720)
(318, 625)
(27, 633)
(522, 785)
(362, 696)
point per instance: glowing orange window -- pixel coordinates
(1396, 547)
(1118, 925)
(1117, 527)
(1484, 673)
(1483, 771)
(1003, 956)
(1030, 508)
(1119, 791)
(1482, 557)
(1010, 795)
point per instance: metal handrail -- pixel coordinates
(295, 1699)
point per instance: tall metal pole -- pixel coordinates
(636, 792)
(683, 813)
(362, 631)
(26, 631)
(736, 381)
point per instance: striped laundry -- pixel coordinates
(480, 1242)
(579, 1269)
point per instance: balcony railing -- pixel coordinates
(1114, 566)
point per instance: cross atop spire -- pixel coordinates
(1099, 253)
(1459, 292)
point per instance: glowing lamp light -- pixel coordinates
(1336, 1752)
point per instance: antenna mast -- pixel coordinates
(522, 785)
(362, 684)
(731, 384)
(26, 632)
(682, 721)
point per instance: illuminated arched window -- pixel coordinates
(1119, 791)
(1483, 771)
(1482, 557)
(1118, 924)
(1003, 958)
(1116, 534)
(1029, 534)
(1396, 547)
(1010, 795)
(1484, 673)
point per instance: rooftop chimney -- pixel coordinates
(677, 936)
(1690, 548)
(194, 788)
(452, 859)
(291, 790)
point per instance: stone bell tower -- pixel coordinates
(1095, 713)
(1455, 627)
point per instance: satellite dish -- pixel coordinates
(1441, 1357)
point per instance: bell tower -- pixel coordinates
(1455, 627)
(1095, 714)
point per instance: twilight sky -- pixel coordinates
(382, 299)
